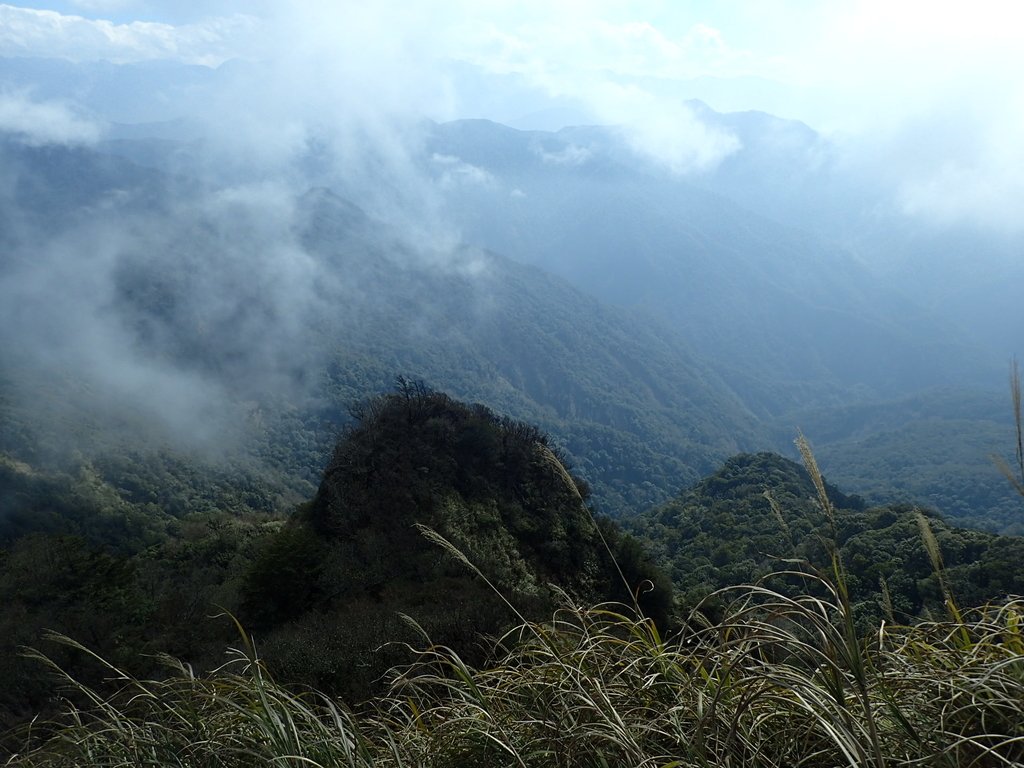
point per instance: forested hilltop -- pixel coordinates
(760, 513)
(142, 570)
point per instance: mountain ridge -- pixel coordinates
(329, 304)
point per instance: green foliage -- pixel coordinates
(353, 558)
(933, 449)
(139, 547)
(129, 551)
(284, 578)
(761, 512)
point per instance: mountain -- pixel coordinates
(343, 570)
(787, 317)
(756, 291)
(246, 320)
(760, 514)
(141, 565)
(935, 449)
(139, 92)
(788, 271)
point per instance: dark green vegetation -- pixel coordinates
(179, 358)
(777, 680)
(461, 519)
(135, 559)
(760, 513)
(935, 449)
(332, 583)
(228, 325)
(125, 577)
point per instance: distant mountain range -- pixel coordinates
(788, 317)
(653, 322)
(196, 297)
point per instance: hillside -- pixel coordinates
(759, 514)
(332, 584)
(789, 317)
(246, 320)
(268, 306)
(324, 591)
(934, 449)
(567, 682)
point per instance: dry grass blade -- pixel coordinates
(1014, 475)
(811, 464)
(774, 683)
(1015, 395)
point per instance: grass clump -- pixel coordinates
(235, 716)
(777, 682)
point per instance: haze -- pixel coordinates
(808, 208)
(929, 91)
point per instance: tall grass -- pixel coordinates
(1015, 474)
(236, 716)
(777, 682)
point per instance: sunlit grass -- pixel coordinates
(777, 682)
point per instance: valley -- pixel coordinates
(444, 412)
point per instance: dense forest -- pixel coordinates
(760, 513)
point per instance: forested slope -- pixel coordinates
(245, 321)
(325, 590)
(760, 514)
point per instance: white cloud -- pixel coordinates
(665, 130)
(930, 95)
(44, 122)
(925, 92)
(603, 61)
(955, 194)
(42, 33)
(332, 63)
(454, 172)
(570, 155)
(873, 71)
(967, 169)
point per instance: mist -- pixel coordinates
(925, 97)
(205, 210)
(187, 294)
(278, 280)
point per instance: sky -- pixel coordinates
(931, 90)
(836, 65)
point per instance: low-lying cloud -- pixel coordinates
(453, 172)
(46, 122)
(570, 155)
